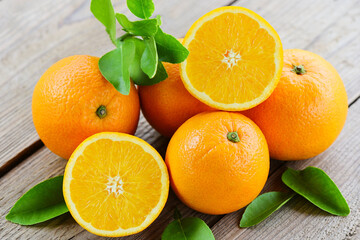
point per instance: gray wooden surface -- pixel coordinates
(36, 33)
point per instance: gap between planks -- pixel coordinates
(17, 158)
(300, 218)
(37, 144)
(352, 102)
(20, 157)
(276, 165)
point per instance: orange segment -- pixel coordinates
(115, 184)
(235, 59)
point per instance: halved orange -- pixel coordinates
(235, 59)
(115, 184)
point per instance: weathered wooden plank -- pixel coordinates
(44, 164)
(337, 43)
(300, 219)
(36, 33)
(31, 40)
(328, 28)
(75, 31)
(64, 227)
(40, 166)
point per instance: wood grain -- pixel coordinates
(43, 162)
(301, 218)
(336, 43)
(36, 33)
(328, 28)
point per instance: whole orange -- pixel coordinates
(218, 162)
(307, 110)
(167, 105)
(73, 101)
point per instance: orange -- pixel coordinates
(307, 110)
(115, 184)
(72, 101)
(218, 162)
(235, 59)
(167, 105)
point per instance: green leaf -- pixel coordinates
(263, 206)
(104, 12)
(158, 19)
(141, 8)
(187, 229)
(146, 28)
(160, 75)
(169, 48)
(316, 186)
(149, 59)
(114, 66)
(42, 202)
(136, 73)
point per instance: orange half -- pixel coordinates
(115, 184)
(235, 59)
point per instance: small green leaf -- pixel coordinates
(169, 48)
(146, 28)
(149, 59)
(158, 19)
(316, 186)
(263, 206)
(187, 229)
(114, 66)
(103, 10)
(136, 73)
(160, 75)
(141, 8)
(42, 202)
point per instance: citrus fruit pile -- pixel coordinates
(288, 105)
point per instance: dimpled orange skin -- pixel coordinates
(65, 101)
(305, 113)
(167, 105)
(211, 174)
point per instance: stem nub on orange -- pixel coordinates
(72, 101)
(307, 110)
(218, 162)
(235, 59)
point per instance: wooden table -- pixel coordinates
(34, 34)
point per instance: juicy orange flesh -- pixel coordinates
(242, 35)
(141, 178)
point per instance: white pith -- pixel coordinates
(115, 185)
(231, 58)
(116, 137)
(203, 96)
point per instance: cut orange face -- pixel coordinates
(235, 59)
(115, 184)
